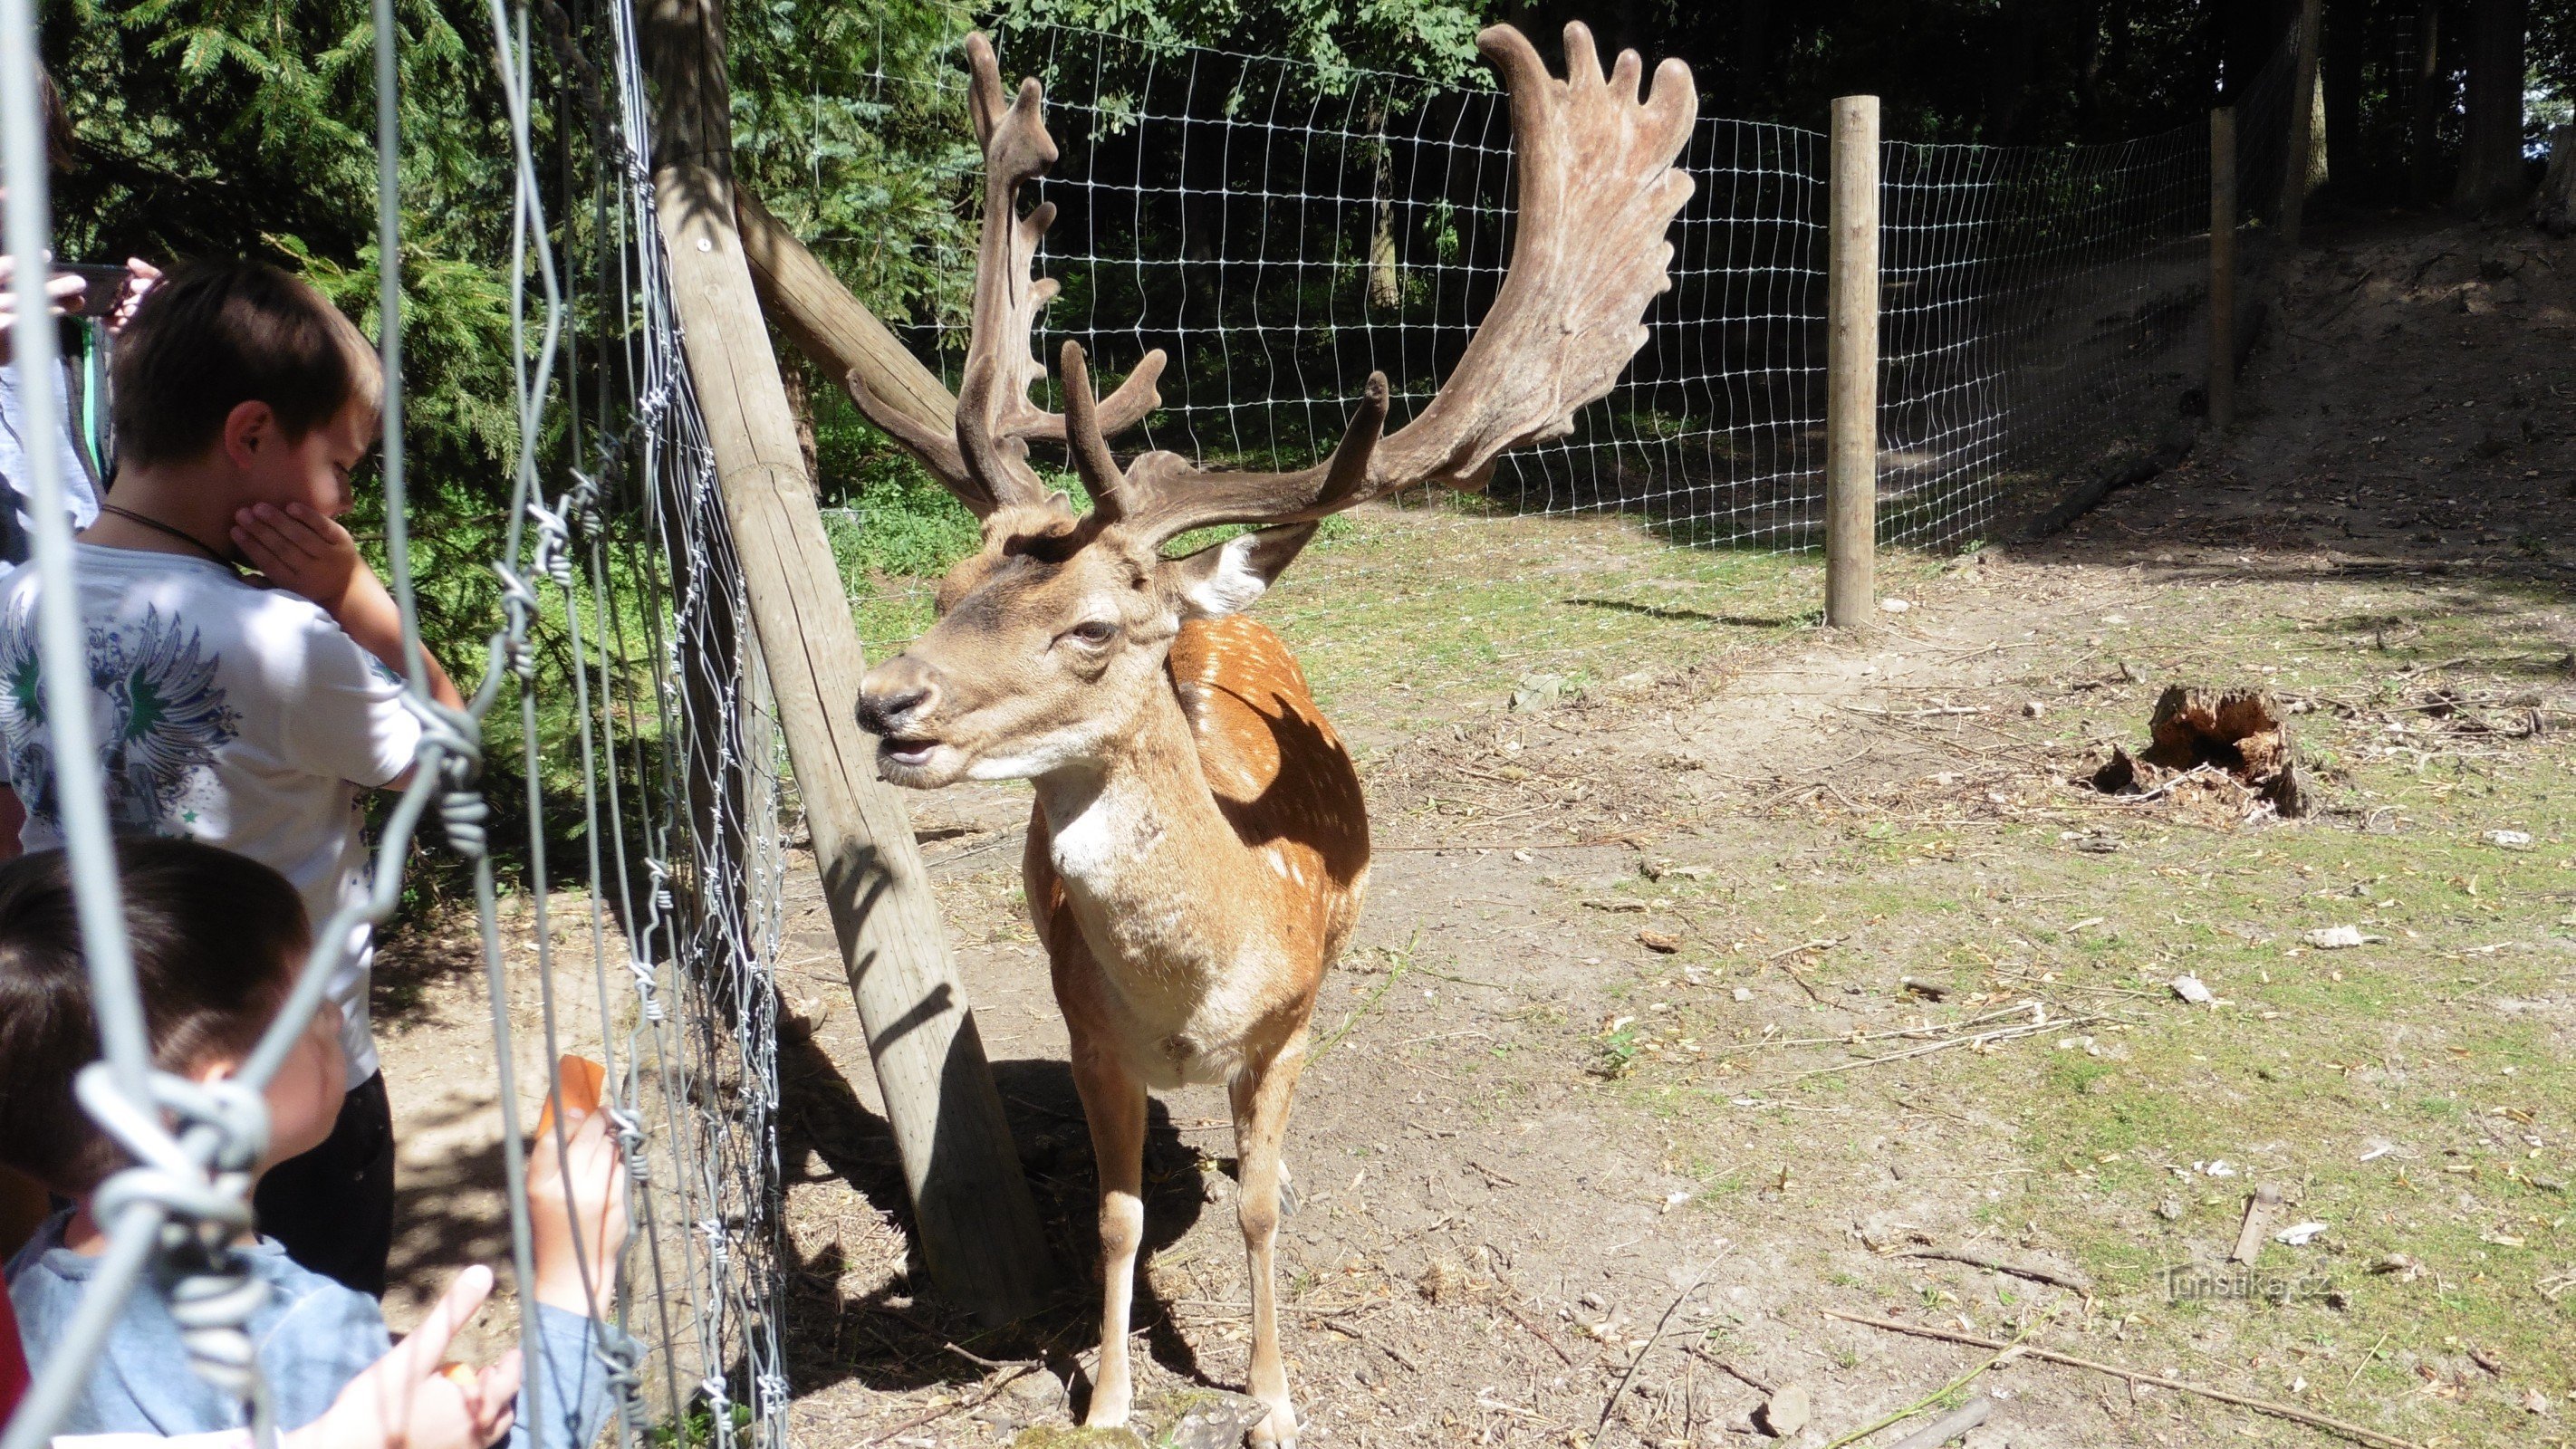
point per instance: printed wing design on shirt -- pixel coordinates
(22, 716)
(165, 719)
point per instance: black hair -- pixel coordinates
(216, 938)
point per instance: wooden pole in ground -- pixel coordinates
(1851, 366)
(2303, 120)
(2222, 267)
(973, 1217)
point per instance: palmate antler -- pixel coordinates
(987, 463)
(1598, 190)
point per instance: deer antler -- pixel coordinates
(1598, 190)
(986, 464)
(1163, 494)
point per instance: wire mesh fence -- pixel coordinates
(654, 750)
(1281, 231)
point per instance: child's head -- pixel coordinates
(238, 365)
(217, 941)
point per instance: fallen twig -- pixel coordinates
(1991, 1265)
(1781, 960)
(2010, 1033)
(1611, 1405)
(2196, 772)
(1541, 1334)
(1949, 1426)
(1390, 1350)
(1704, 1356)
(1917, 1033)
(917, 1420)
(1926, 712)
(1485, 1400)
(2002, 1351)
(2354, 1432)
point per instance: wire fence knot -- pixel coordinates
(211, 1290)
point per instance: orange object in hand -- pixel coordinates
(461, 1375)
(578, 1083)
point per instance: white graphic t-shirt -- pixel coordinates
(239, 716)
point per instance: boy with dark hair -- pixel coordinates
(243, 716)
(218, 941)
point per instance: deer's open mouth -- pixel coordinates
(909, 754)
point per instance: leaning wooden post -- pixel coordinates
(2222, 267)
(2303, 120)
(973, 1217)
(1851, 366)
(830, 326)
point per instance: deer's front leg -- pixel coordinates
(1260, 1098)
(1113, 1100)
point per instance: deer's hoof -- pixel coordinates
(1279, 1431)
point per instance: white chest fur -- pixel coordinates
(1184, 972)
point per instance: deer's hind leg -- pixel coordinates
(1260, 1095)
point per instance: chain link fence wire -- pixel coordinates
(657, 751)
(1281, 231)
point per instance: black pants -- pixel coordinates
(333, 1207)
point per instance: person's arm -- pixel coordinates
(304, 552)
(577, 1221)
(577, 1215)
(63, 292)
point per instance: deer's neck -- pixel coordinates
(1138, 839)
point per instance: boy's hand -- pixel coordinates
(304, 552)
(577, 1192)
(405, 1401)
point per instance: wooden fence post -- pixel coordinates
(1851, 366)
(973, 1217)
(2304, 111)
(2222, 267)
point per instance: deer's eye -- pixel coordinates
(1092, 633)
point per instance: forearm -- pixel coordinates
(567, 1397)
(367, 614)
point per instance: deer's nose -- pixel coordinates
(897, 695)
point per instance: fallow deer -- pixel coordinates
(1199, 845)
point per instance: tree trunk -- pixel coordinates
(2432, 96)
(1385, 287)
(2491, 169)
(2554, 210)
(2346, 41)
(800, 401)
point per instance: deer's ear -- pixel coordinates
(1226, 578)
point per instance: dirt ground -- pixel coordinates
(1696, 1008)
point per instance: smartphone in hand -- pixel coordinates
(107, 284)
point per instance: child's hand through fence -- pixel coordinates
(577, 1191)
(409, 1399)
